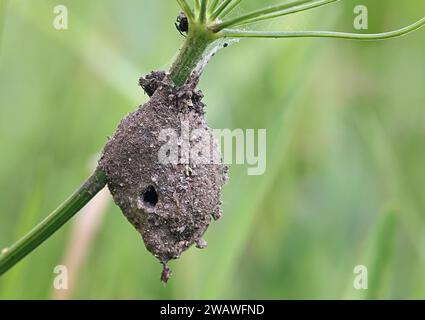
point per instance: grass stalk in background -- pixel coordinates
(3, 7)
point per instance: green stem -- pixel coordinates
(51, 224)
(213, 5)
(229, 9)
(191, 53)
(203, 11)
(220, 9)
(235, 33)
(272, 12)
(197, 7)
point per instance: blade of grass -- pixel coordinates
(376, 256)
(79, 246)
(115, 77)
(382, 253)
(388, 163)
(3, 8)
(282, 125)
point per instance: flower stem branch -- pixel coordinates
(203, 11)
(220, 9)
(191, 53)
(229, 9)
(272, 12)
(12, 255)
(234, 33)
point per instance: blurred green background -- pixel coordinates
(345, 175)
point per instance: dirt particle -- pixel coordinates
(151, 82)
(201, 244)
(166, 274)
(188, 171)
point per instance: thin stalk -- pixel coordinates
(197, 5)
(12, 255)
(191, 53)
(234, 33)
(3, 8)
(272, 12)
(220, 9)
(213, 5)
(289, 11)
(203, 11)
(186, 9)
(229, 9)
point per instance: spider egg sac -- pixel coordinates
(164, 168)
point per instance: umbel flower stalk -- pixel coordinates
(145, 199)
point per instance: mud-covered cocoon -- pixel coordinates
(170, 203)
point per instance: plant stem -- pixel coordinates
(203, 10)
(197, 7)
(273, 12)
(213, 5)
(220, 9)
(229, 9)
(235, 33)
(11, 256)
(191, 53)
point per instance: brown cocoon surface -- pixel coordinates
(170, 204)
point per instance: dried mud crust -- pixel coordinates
(171, 205)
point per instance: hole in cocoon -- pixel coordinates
(150, 197)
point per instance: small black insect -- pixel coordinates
(182, 24)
